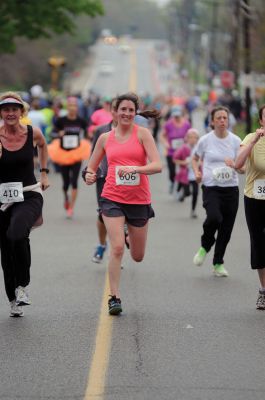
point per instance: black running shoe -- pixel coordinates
(114, 306)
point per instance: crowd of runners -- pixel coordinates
(122, 141)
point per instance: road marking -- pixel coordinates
(154, 72)
(100, 360)
(133, 70)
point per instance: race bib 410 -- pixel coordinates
(11, 192)
(128, 179)
(223, 174)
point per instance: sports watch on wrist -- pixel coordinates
(45, 170)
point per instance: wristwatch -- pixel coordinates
(45, 170)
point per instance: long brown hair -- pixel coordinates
(152, 113)
(261, 111)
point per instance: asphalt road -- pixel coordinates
(184, 334)
(108, 69)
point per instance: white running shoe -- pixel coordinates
(16, 311)
(200, 256)
(22, 297)
(220, 271)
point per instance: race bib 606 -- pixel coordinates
(128, 179)
(223, 174)
(11, 192)
(259, 189)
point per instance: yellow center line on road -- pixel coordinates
(100, 361)
(97, 374)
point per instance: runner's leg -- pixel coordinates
(195, 188)
(115, 230)
(102, 232)
(75, 170)
(212, 205)
(229, 210)
(261, 273)
(6, 257)
(23, 216)
(65, 172)
(171, 172)
(138, 238)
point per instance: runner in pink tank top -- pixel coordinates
(132, 155)
(132, 188)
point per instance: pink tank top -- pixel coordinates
(130, 153)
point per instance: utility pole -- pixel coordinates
(247, 60)
(213, 38)
(233, 62)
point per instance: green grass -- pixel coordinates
(240, 128)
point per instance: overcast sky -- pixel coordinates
(161, 2)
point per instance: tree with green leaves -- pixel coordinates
(35, 19)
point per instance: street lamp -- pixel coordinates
(55, 62)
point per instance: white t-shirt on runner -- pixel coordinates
(213, 151)
(191, 174)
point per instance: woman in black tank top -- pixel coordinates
(20, 197)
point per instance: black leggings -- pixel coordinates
(195, 189)
(255, 216)
(15, 225)
(221, 205)
(100, 182)
(186, 192)
(70, 174)
(171, 169)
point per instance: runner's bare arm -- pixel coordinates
(183, 163)
(98, 154)
(195, 162)
(40, 142)
(246, 149)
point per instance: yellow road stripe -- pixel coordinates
(99, 365)
(133, 72)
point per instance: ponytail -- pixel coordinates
(153, 113)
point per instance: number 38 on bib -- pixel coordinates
(128, 179)
(259, 189)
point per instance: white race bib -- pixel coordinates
(223, 174)
(176, 143)
(129, 179)
(70, 141)
(259, 189)
(11, 192)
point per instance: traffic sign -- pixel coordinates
(227, 79)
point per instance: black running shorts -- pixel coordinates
(135, 214)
